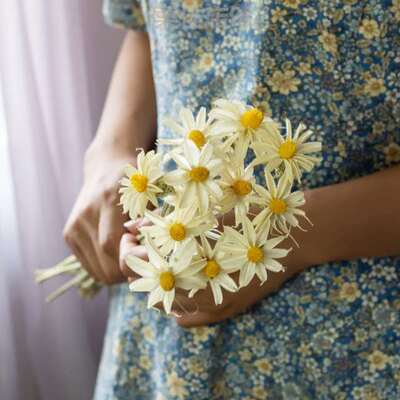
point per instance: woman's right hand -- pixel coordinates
(95, 225)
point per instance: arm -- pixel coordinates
(353, 219)
(95, 225)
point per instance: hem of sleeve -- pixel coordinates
(121, 16)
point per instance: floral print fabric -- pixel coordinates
(333, 332)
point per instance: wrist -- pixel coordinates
(110, 147)
(312, 245)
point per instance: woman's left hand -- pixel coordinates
(201, 309)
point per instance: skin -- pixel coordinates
(354, 219)
(95, 226)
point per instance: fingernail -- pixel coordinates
(129, 223)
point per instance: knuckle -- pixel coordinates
(113, 275)
(86, 212)
(184, 323)
(108, 278)
(109, 243)
(127, 272)
(68, 234)
(109, 194)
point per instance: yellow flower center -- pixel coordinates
(197, 137)
(252, 118)
(139, 182)
(212, 269)
(287, 149)
(199, 174)
(167, 281)
(255, 254)
(177, 231)
(277, 206)
(241, 187)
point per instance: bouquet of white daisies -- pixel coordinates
(212, 181)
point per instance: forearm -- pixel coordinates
(354, 219)
(129, 119)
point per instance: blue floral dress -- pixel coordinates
(333, 332)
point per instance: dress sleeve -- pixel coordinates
(124, 13)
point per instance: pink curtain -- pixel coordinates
(55, 64)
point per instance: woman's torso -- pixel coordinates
(334, 331)
(332, 64)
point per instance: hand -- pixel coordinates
(204, 310)
(201, 309)
(95, 225)
(130, 245)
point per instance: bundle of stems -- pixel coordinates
(88, 287)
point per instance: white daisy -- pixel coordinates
(195, 180)
(252, 252)
(245, 124)
(280, 205)
(199, 130)
(292, 152)
(161, 277)
(139, 185)
(215, 270)
(238, 184)
(176, 228)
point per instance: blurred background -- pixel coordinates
(55, 64)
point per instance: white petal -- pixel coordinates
(261, 273)
(311, 147)
(177, 177)
(189, 283)
(180, 160)
(201, 118)
(181, 259)
(170, 123)
(156, 219)
(233, 263)
(187, 118)
(271, 243)
(154, 255)
(273, 265)
(214, 189)
(206, 154)
(246, 274)
(226, 282)
(194, 268)
(168, 300)
(234, 237)
(143, 285)
(277, 253)
(139, 266)
(217, 292)
(202, 198)
(248, 231)
(155, 297)
(191, 152)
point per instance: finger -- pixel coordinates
(200, 319)
(130, 246)
(106, 241)
(110, 229)
(134, 226)
(88, 243)
(82, 247)
(182, 305)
